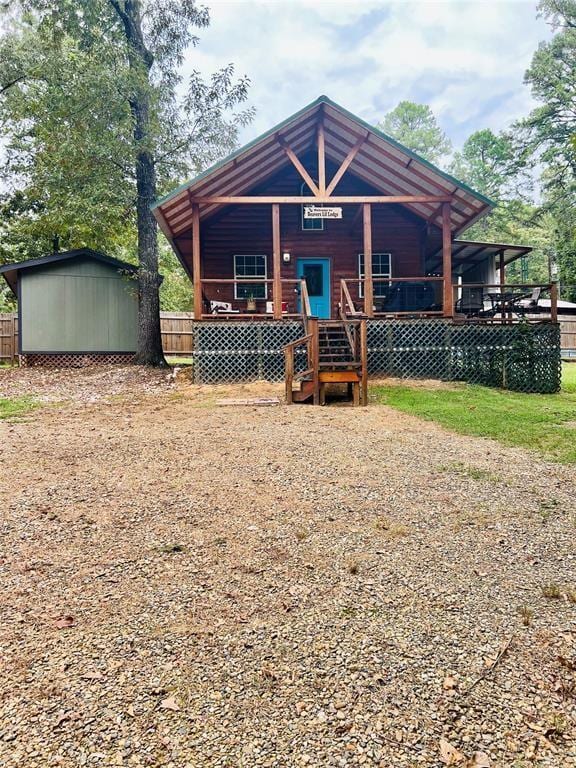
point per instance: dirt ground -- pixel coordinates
(188, 585)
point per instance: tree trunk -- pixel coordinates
(149, 337)
(140, 61)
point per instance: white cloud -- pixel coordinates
(466, 59)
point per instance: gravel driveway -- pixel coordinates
(183, 584)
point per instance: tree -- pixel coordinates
(488, 163)
(547, 137)
(103, 116)
(416, 127)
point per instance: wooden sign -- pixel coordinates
(319, 212)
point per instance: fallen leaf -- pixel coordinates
(130, 710)
(170, 703)
(449, 754)
(63, 622)
(479, 760)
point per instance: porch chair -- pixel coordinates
(222, 308)
(471, 303)
(530, 305)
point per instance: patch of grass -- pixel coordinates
(14, 407)
(526, 614)
(551, 591)
(544, 423)
(547, 506)
(179, 360)
(466, 470)
(390, 527)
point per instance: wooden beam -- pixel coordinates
(448, 298)
(336, 200)
(276, 263)
(196, 274)
(368, 285)
(321, 158)
(345, 165)
(502, 271)
(299, 167)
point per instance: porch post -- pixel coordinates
(448, 298)
(196, 276)
(368, 284)
(502, 271)
(276, 263)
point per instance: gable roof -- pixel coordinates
(10, 271)
(382, 162)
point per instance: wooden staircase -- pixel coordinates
(335, 353)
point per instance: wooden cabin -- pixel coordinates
(327, 197)
(324, 250)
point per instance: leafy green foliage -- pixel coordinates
(416, 127)
(547, 137)
(98, 121)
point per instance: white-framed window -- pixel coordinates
(250, 265)
(309, 224)
(381, 273)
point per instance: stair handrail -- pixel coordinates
(305, 304)
(311, 340)
(346, 301)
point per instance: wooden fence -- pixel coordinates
(176, 330)
(8, 337)
(568, 336)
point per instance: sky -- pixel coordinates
(466, 60)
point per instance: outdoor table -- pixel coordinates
(506, 303)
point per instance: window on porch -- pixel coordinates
(246, 266)
(381, 273)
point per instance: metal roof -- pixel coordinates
(382, 162)
(10, 271)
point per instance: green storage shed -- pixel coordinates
(75, 308)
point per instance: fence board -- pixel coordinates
(176, 330)
(8, 337)
(568, 336)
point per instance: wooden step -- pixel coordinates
(334, 377)
(305, 392)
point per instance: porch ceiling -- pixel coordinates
(471, 252)
(381, 162)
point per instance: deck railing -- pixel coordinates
(393, 297)
(505, 303)
(224, 291)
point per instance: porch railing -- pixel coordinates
(505, 303)
(393, 297)
(220, 298)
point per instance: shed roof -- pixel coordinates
(10, 271)
(383, 162)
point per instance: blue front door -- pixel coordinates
(316, 273)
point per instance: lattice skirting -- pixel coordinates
(75, 360)
(522, 357)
